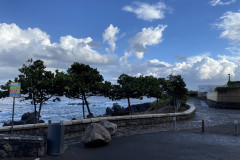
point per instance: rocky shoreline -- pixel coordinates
(118, 110)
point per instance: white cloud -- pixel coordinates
(17, 45)
(11, 36)
(230, 24)
(157, 63)
(221, 3)
(146, 11)
(147, 37)
(109, 35)
(195, 70)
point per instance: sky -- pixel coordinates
(199, 40)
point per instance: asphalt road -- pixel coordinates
(161, 145)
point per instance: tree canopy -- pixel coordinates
(176, 89)
(83, 81)
(37, 83)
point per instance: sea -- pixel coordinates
(63, 110)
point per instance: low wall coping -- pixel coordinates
(97, 119)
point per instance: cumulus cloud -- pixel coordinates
(17, 45)
(147, 11)
(147, 37)
(195, 70)
(158, 64)
(109, 35)
(230, 24)
(221, 3)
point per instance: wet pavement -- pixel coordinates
(161, 142)
(161, 145)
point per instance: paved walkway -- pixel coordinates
(161, 142)
(161, 145)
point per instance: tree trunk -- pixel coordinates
(129, 106)
(89, 112)
(175, 104)
(39, 111)
(35, 111)
(83, 107)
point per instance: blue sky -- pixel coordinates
(198, 39)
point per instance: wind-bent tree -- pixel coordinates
(37, 83)
(128, 87)
(154, 87)
(83, 81)
(176, 88)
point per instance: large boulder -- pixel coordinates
(117, 110)
(111, 127)
(96, 135)
(27, 118)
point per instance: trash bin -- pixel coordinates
(55, 138)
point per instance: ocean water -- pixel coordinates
(66, 109)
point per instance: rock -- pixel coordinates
(111, 127)
(109, 111)
(3, 154)
(14, 123)
(27, 118)
(7, 147)
(117, 110)
(96, 135)
(56, 99)
(90, 115)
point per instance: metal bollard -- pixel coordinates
(174, 123)
(203, 129)
(235, 127)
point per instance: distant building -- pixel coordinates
(203, 90)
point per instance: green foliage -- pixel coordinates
(233, 84)
(37, 83)
(83, 81)
(60, 81)
(161, 103)
(176, 89)
(192, 93)
(128, 87)
(4, 92)
(225, 89)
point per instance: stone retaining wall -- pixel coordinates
(77, 127)
(21, 146)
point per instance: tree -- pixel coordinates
(154, 87)
(176, 88)
(37, 83)
(83, 81)
(128, 87)
(4, 92)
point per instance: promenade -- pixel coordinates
(162, 142)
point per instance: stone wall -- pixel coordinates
(77, 127)
(21, 146)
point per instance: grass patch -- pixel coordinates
(161, 103)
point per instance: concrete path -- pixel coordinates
(162, 145)
(188, 143)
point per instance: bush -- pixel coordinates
(192, 93)
(161, 103)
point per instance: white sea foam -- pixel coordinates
(56, 111)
